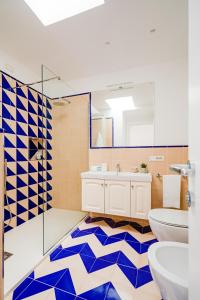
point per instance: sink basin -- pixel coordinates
(121, 176)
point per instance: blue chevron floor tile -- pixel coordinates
(143, 277)
(100, 264)
(35, 287)
(130, 273)
(21, 287)
(55, 252)
(118, 252)
(112, 257)
(111, 240)
(102, 238)
(124, 261)
(53, 278)
(135, 246)
(98, 293)
(112, 293)
(65, 283)
(61, 295)
(145, 246)
(87, 251)
(88, 261)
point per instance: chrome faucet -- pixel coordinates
(118, 168)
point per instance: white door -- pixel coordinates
(194, 148)
(93, 195)
(117, 198)
(140, 199)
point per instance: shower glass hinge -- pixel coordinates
(7, 255)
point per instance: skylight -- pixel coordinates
(52, 11)
(121, 104)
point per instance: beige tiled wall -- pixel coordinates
(1, 213)
(70, 151)
(129, 159)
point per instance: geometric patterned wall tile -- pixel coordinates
(8, 112)
(32, 95)
(22, 116)
(8, 98)
(22, 142)
(9, 140)
(21, 103)
(10, 154)
(32, 166)
(22, 193)
(33, 108)
(11, 168)
(9, 126)
(32, 178)
(11, 183)
(8, 82)
(21, 130)
(25, 113)
(21, 90)
(22, 167)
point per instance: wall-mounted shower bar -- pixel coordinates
(36, 82)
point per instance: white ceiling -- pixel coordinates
(75, 48)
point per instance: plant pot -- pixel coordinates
(143, 170)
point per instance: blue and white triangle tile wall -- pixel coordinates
(25, 114)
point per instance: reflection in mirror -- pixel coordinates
(123, 117)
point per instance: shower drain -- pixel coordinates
(7, 255)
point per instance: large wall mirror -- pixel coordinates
(123, 117)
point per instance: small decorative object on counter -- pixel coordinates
(143, 168)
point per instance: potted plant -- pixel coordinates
(143, 168)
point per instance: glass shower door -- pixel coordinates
(63, 158)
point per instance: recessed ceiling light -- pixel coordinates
(52, 11)
(121, 103)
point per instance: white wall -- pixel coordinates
(171, 120)
(170, 79)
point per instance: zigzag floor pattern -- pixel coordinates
(97, 262)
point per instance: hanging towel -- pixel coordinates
(171, 191)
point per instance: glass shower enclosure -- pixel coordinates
(61, 185)
(43, 151)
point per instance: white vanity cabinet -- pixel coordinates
(122, 194)
(140, 199)
(93, 195)
(117, 198)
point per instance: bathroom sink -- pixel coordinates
(122, 176)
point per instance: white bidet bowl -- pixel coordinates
(169, 267)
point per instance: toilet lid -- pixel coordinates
(173, 217)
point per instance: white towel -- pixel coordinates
(171, 191)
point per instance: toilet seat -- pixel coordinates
(170, 217)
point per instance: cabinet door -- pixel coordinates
(93, 195)
(140, 199)
(117, 198)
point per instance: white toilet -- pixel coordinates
(169, 224)
(168, 262)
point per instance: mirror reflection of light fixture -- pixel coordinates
(52, 11)
(121, 103)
